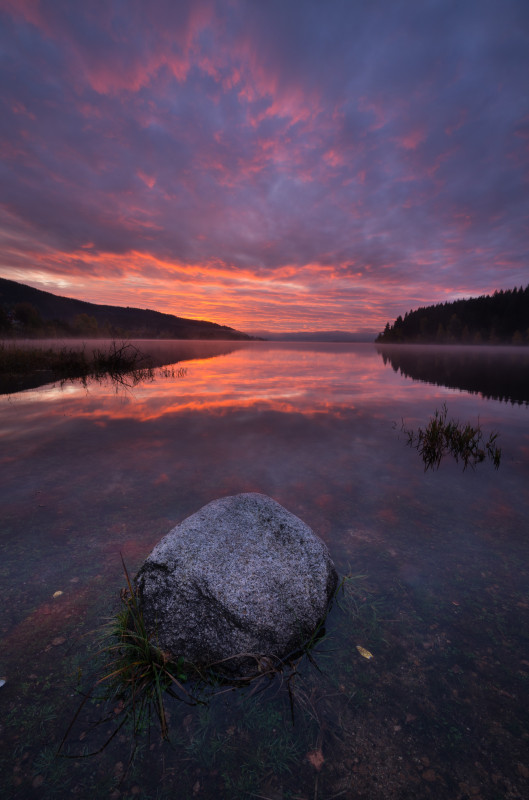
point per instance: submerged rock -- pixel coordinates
(240, 581)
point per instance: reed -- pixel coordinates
(117, 361)
(443, 437)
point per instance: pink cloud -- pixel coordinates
(294, 169)
(412, 139)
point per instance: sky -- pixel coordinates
(266, 164)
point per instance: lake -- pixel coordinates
(438, 563)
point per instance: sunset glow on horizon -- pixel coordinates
(272, 166)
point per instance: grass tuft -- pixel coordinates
(137, 676)
(443, 437)
(138, 672)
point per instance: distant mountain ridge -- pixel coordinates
(501, 318)
(317, 336)
(29, 311)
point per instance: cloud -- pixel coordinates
(377, 153)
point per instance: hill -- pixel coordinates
(25, 311)
(316, 336)
(501, 318)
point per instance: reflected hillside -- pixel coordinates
(500, 373)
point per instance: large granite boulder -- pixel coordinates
(241, 582)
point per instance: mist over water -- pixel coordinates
(89, 473)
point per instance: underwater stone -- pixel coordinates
(241, 576)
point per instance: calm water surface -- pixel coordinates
(441, 710)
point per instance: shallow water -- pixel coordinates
(89, 473)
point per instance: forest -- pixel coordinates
(501, 318)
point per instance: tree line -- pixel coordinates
(501, 318)
(23, 319)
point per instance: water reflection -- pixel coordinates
(137, 360)
(501, 373)
(88, 474)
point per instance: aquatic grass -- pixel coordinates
(244, 785)
(260, 745)
(46, 764)
(172, 372)
(443, 437)
(137, 673)
(135, 686)
(355, 600)
(122, 362)
(136, 678)
(265, 667)
(47, 714)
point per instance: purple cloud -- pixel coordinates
(330, 164)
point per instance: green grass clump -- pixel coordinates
(138, 672)
(135, 678)
(443, 437)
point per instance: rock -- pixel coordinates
(241, 581)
